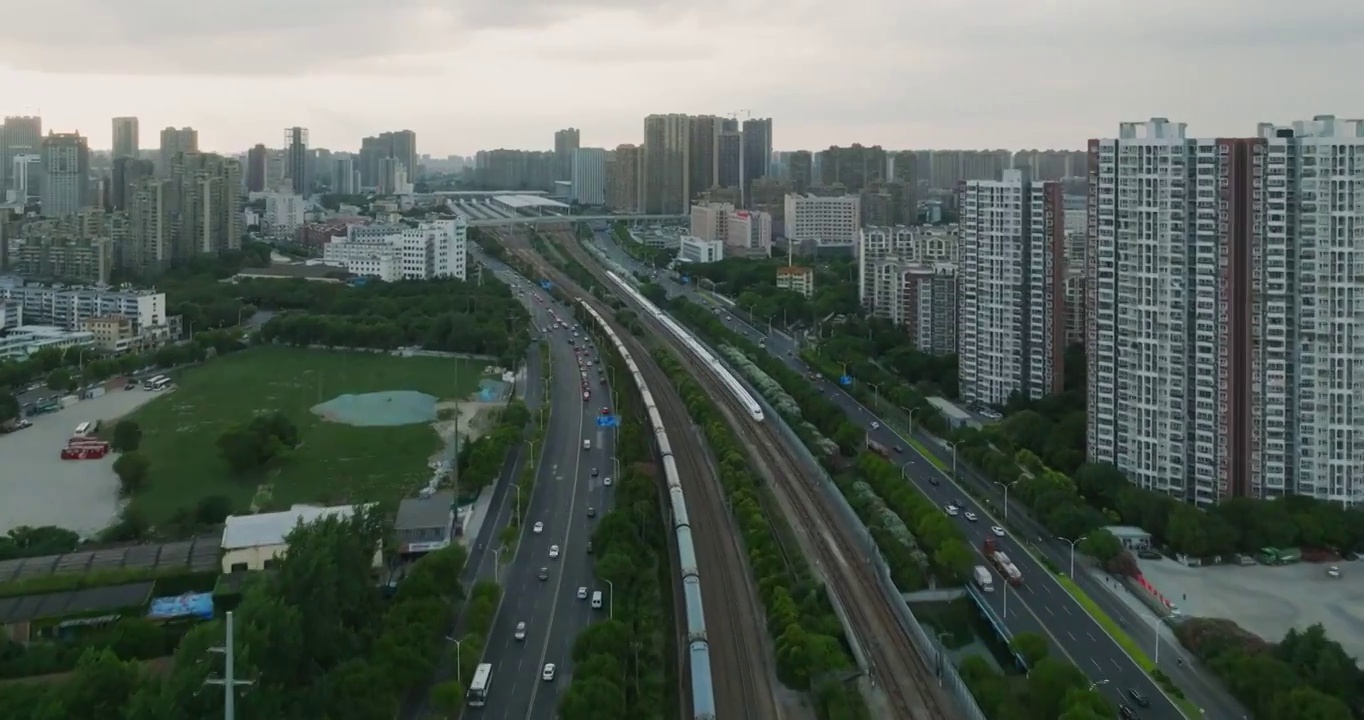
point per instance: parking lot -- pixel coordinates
(39, 488)
(1268, 601)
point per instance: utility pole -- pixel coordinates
(229, 680)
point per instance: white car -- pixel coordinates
(582, 593)
(553, 551)
(548, 673)
(997, 530)
(520, 631)
(607, 481)
(970, 516)
(875, 425)
(538, 528)
(952, 510)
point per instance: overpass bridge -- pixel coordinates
(566, 219)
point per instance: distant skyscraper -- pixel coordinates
(125, 137)
(667, 177)
(256, 159)
(400, 145)
(175, 141)
(20, 135)
(624, 179)
(566, 143)
(703, 151)
(345, 176)
(127, 174)
(66, 174)
(296, 163)
(589, 176)
(757, 152)
(729, 158)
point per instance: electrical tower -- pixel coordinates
(228, 681)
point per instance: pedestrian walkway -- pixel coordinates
(471, 516)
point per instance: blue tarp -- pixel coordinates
(196, 605)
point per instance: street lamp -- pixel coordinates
(610, 600)
(458, 643)
(615, 463)
(911, 412)
(1073, 543)
(497, 563)
(942, 653)
(876, 394)
(1097, 683)
(1006, 493)
(518, 503)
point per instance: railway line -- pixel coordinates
(894, 665)
(740, 663)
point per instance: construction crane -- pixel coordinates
(735, 115)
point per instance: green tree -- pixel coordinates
(127, 436)
(1101, 545)
(9, 406)
(132, 469)
(60, 380)
(1032, 647)
(448, 697)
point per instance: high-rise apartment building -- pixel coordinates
(296, 162)
(66, 174)
(667, 175)
(126, 137)
(400, 145)
(1011, 289)
(25, 177)
(625, 179)
(757, 153)
(345, 177)
(208, 204)
(1224, 316)
(151, 226)
(173, 142)
(566, 143)
(854, 167)
(128, 171)
(703, 150)
(256, 163)
(729, 159)
(829, 223)
(908, 276)
(589, 176)
(20, 135)
(800, 171)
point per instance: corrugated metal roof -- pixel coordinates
(265, 529)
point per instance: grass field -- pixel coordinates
(336, 463)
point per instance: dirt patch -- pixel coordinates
(470, 418)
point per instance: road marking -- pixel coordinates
(1072, 636)
(1096, 664)
(1048, 609)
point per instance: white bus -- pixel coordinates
(161, 384)
(151, 382)
(84, 429)
(478, 687)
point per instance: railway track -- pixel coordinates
(740, 665)
(894, 664)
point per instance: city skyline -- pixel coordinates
(1039, 74)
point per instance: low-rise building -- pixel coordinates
(285, 213)
(69, 306)
(425, 524)
(258, 542)
(24, 340)
(693, 249)
(796, 279)
(389, 252)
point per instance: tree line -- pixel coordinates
(316, 635)
(480, 461)
(1052, 689)
(753, 285)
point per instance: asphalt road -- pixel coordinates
(564, 490)
(1040, 605)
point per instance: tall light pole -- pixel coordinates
(610, 600)
(497, 564)
(911, 412)
(1073, 543)
(615, 463)
(518, 503)
(228, 681)
(458, 646)
(1006, 490)
(876, 394)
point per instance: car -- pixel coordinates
(544, 573)
(589, 547)
(606, 411)
(548, 673)
(582, 593)
(553, 551)
(899, 449)
(970, 516)
(538, 528)
(1150, 555)
(952, 510)
(594, 472)
(997, 530)
(587, 394)
(875, 425)
(589, 363)
(591, 512)
(1137, 697)
(1126, 713)
(520, 631)
(934, 481)
(607, 481)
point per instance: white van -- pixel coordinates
(596, 600)
(587, 444)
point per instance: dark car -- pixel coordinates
(1126, 713)
(933, 480)
(544, 573)
(591, 512)
(594, 472)
(1138, 698)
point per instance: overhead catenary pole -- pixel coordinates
(228, 681)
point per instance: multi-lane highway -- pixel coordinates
(1040, 605)
(539, 590)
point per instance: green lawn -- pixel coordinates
(336, 463)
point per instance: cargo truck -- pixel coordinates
(1002, 563)
(983, 579)
(878, 448)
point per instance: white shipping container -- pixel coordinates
(69, 400)
(94, 393)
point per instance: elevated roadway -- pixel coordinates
(565, 489)
(537, 220)
(1041, 605)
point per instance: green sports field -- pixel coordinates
(336, 463)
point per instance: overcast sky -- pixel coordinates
(480, 74)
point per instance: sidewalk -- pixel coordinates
(472, 516)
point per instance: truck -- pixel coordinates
(983, 579)
(1002, 563)
(878, 448)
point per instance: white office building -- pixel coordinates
(1225, 318)
(749, 234)
(20, 342)
(693, 249)
(589, 176)
(828, 223)
(435, 249)
(69, 307)
(284, 212)
(1011, 289)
